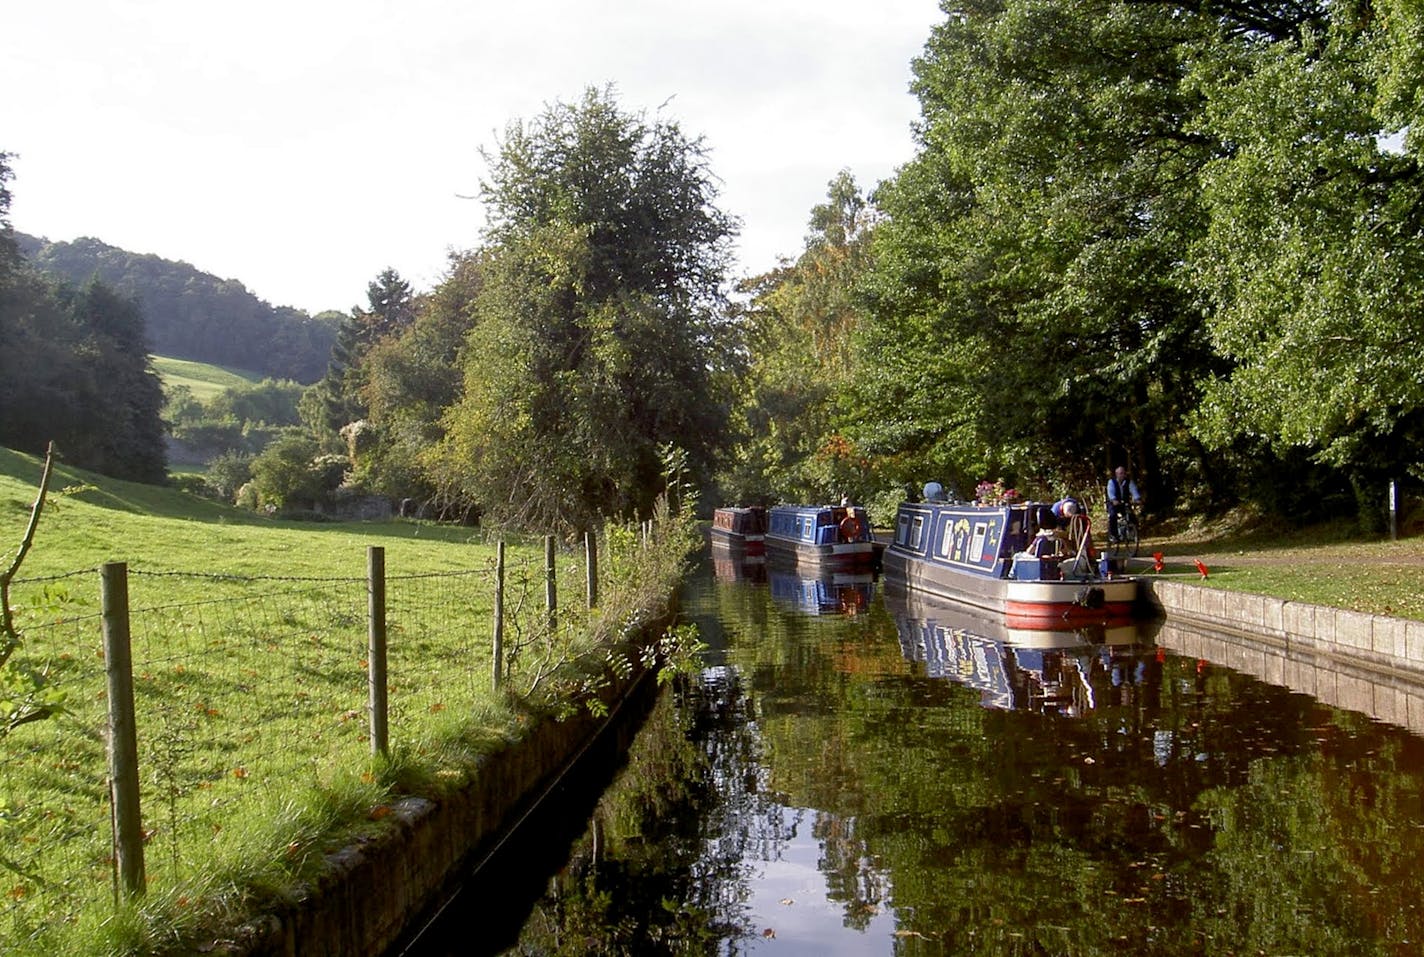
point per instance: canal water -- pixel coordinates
(857, 772)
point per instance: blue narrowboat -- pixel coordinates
(980, 555)
(819, 534)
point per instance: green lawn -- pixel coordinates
(1328, 564)
(206, 380)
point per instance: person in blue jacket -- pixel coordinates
(1121, 491)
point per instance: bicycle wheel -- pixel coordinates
(1127, 535)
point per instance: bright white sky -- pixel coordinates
(302, 146)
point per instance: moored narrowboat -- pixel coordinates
(820, 534)
(981, 556)
(740, 528)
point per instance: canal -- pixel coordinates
(856, 772)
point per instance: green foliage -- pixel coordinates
(1133, 232)
(75, 371)
(1028, 317)
(596, 323)
(9, 249)
(799, 328)
(288, 474)
(410, 379)
(227, 473)
(339, 398)
(1311, 264)
(240, 419)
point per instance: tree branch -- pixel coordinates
(9, 638)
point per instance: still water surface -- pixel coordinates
(855, 773)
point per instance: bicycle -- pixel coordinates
(1126, 543)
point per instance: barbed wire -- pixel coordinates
(58, 576)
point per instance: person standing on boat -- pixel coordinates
(1121, 491)
(852, 529)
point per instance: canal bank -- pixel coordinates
(375, 894)
(1368, 663)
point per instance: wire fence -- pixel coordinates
(245, 691)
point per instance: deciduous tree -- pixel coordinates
(597, 327)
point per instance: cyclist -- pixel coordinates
(1122, 495)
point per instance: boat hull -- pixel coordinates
(838, 554)
(748, 544)
(740, 528)
(1022, 603)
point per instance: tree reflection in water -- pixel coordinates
(1166, 806)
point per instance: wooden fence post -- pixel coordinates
(498, 612)
(590, 549)
(376, 650)
(551, 585)
(123, 729)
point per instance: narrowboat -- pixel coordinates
(979, 555)
(743, 528)
(821, 534)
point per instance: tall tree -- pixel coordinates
(598, 322)
(411, 379)
(1029, 316)
(121, 397)
(788, 442)
(1312, 265)
(337, 399)
(9, 249)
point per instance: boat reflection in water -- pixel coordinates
(732, 563)
(1065, 670)
(820, 592)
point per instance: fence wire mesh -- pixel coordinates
(245, 690)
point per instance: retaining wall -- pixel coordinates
(375, 890)
(1368, 663)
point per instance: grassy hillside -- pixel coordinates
(91, 519)
(206, 380)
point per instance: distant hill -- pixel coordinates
(192, 314)
(203, 379)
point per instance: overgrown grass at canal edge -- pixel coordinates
(254, 758)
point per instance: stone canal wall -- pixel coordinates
(375, 891)
(1368, 663)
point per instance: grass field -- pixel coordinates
(249, 647)
(204, 379)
